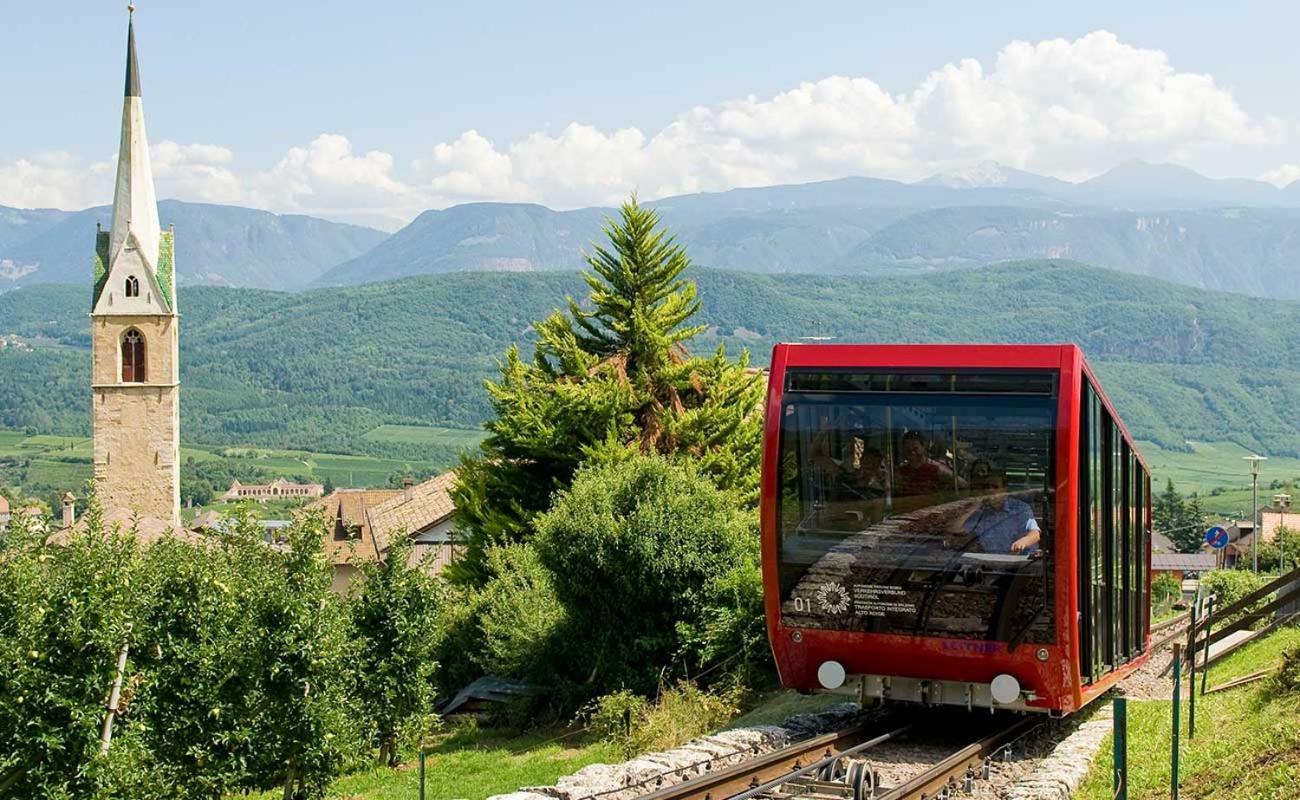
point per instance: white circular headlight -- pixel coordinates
(1005, 689)
(831, 674)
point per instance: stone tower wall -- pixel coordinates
(137, 425)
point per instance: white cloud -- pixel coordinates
(1064, 108)
(469, 168)
(1284, 175)
(195, 172)
(327, 178)
(54, 180)
(61, 180)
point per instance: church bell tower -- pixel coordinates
(135, 367)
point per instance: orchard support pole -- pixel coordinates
(114, 695)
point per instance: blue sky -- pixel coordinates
(397, 80)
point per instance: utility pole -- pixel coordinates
(1254, 509)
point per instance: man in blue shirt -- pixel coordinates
(1002, 524)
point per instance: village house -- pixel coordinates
(1241, 533)
(1182, 566)
(1277, 516)
(275, 490)
(4, 512)
(364, 523)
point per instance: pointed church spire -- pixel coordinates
(135, 207)
(132, 69)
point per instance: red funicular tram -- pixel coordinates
(952, 524)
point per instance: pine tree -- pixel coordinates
(1190, 533)
(1167, 510)
(608, 377)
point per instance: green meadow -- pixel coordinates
(43, 465)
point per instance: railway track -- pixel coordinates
(1170, 630)
(865, 762)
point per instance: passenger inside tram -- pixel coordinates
(868, 476)
(1002, 524)
(919, 474)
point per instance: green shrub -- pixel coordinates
(681, 712)
(732, 630)
(1287, 678)
(637, 550)
(521, 619)
(616, 716)
(1230, 585)
(459, 637)
(1165, 590)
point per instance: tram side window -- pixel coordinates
(1139, 558)
(1123, 552)
(1146, 548)
(1096, 523)
(1113, 537)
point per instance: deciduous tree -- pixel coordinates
(609, 376)
(394, 622)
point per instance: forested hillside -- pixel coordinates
(316, 370)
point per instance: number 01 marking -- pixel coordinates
(802, 604)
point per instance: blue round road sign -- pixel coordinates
(1216, 537)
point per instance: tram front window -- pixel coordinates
(918, 504)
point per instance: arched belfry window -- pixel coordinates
(132, 357)
(132, 286)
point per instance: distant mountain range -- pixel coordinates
(321, 368)
(1157, 220)
(215, 245)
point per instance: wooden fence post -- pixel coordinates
(1191, 669)
(1120, 783)
(1178, 681)
(1205, 662)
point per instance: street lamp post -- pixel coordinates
(1254, 509)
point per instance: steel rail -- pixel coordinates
(825, 762)
(951, 770)
(1180, 633)
(784, 762)
(1171, 622)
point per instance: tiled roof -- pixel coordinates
(1184, 562)
(146, 530)
(378, 515)
(412, 510)
(4, 505)
(346, 508)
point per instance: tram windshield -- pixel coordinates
(918, 504)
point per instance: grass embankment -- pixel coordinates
(1247, 744)
(473, 764)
